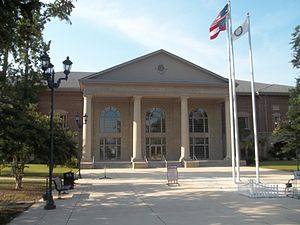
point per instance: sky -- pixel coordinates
(105, 33)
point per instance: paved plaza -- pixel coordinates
(206, 195)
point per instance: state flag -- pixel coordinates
(241, 30)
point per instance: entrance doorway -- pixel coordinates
(156, 152)
(110, 148)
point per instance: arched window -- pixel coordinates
(110, 134)
(110, 121)
(155, 121)
(199, 136)
(198, 121)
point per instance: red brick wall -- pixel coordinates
(69, 101)
(264, 109)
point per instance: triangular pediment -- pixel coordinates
(157, 67)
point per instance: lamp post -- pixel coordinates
(80, 125)
(48, 72)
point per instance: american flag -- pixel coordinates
(219, 24)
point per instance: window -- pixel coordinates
(63, 117)
(63, 120)
(243, 122)
(199, 136)
(110, 134)
(156, 148)
(275, 107)
(110, 148)
(198, 121)
(155, 121)
(199, 148)
(155, 134)
(110, 121)
(276, 119)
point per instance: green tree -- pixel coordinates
(296, 47)
(288, 132)
(22, 132)
(28, 140)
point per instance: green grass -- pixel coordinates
(280, 165)
(38, 170)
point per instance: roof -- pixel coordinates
(73, 79)
(244, 88)
(120, 73)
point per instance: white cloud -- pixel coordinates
(160, 26)
(152, 31)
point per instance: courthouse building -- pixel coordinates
(160, 107)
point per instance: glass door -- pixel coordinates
(155, 152)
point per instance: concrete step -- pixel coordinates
(112, 164)
(162, 164)
(158, 164)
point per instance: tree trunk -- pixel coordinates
(18, 168)
(4, 66)
(19, 181)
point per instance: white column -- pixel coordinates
(185, 148)
(87, 129)
(136, 136)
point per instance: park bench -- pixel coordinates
(293, 184)
(60, 187)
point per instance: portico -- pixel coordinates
(156, 107)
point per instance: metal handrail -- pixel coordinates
(166, 162)
(194, 157)
(145, 158)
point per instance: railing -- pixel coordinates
(166, 162)
(132, 161)
(146, 160)
(194, 157)
(184, 163)
(258, 190)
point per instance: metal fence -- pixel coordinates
(258, 190)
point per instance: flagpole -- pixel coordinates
(232, 145)
(236, 129)
(253, 102)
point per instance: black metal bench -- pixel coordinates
(60, 187)
(293, 185)
(288, 185)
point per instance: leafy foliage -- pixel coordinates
(288, 132)
(296, 47)
(24, 133)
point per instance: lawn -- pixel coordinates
(279, 165)
(38, 170)
(12, 201)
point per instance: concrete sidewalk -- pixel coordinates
(141, 197)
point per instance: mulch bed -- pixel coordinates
(13, 202)
(8, 211)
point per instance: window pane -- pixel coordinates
(110, 148)
(199, 141)
(155, 121)
(110, 121)
(198, 121)
(199, 148)
(243, 122)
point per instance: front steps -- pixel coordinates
(157, 164)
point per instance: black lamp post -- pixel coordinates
(80, 125)
(49, 74)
